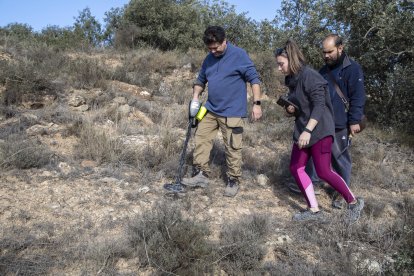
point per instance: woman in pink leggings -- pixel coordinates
(314, 131)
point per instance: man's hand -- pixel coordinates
(354, 129)
(194, 107)
(256, 112)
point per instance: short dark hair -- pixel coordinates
(214, 34)
(337, 39)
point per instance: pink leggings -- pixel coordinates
(321, 155)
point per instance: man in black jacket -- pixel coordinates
(345, 76)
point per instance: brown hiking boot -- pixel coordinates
(198, 180)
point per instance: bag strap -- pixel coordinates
(338, 90)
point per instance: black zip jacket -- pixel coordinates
(309, 91)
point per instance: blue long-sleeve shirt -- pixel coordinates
(226, 77)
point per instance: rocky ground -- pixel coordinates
(67, 216)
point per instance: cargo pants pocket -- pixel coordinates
(235, 125)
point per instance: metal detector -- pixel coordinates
(177, 187)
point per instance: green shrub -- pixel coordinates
(29, 75)
(271, 79)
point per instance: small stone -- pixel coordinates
(144, 189)
(36, 129)
(124, 110)
(120, 100)
(283, 239)
(109, 180)
(88, 164)
(65, 168)
(187, 66)
(30, 117)
(76, 101)
(46, 174)
(82, 108)
(145, 93)
(262, 180)
(372, 266)
(54, 205)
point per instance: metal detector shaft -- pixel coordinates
(183, 153)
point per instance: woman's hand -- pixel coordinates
(304, 139)
(290, 110)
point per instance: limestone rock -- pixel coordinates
(262, 180)
(43, 129)
(124, 110)
(89, 164)
(65, 168)
(76, 101)
(120, 100)
(144, 189)
(81, 108)
(36, 102)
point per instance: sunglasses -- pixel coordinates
(280, 51)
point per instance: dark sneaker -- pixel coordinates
(293, 187)
(232, 187)
(354, 210)
(308, 215)
(198, 180)
(338, 202)
(174, 188)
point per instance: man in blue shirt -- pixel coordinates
(226, 69)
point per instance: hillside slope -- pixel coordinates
(83, 168)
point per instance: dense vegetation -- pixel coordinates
(378, 34)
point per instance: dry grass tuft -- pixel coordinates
(97, 144)
(165, 240)
(21, 152)
(241, 245)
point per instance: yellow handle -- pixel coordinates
(201, 113)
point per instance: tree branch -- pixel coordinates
(370, 29)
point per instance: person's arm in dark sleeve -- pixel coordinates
(315, 86)
(356, 95)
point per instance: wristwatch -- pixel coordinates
(307, 130)
(257, 102)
